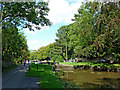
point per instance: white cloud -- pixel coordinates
(33, 44)
(61, 11)
(68, 19)
(74, 7)
(36, 44)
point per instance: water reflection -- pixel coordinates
(88, 79)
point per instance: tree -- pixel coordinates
(57, 58)
(95, 33)
(62, 41)
(25, 14)
(33, 55)
(14, 46)
(22, 15)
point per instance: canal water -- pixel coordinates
(90, 79)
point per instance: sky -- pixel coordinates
(61, 12)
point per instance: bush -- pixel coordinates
(57, 58)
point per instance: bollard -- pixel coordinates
(37, 65)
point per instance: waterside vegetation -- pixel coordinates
(47, 79)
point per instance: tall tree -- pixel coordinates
(62, 41)
(14, 45)
(25, 14)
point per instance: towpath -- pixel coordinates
(16, 79)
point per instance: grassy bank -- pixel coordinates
(47, 79)
(90, 64)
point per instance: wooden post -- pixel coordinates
(67, 77)
(37, 65)
(66, 51)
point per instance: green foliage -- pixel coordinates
(64, 41)
(25, 14)
(57, 58)
(33, 55)
(42, 53)
(47, 53)
(47, 78)
(20, 15)
(95, 33)
(90, 64)
(7, 68)
(14, 46)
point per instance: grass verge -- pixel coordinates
(90, 64)
(47, 78)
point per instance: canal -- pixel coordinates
(89, 79)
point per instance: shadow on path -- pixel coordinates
(16, 78)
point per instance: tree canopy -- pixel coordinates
(14, 45)
(95, 32)
(25, 14)
(21, 15)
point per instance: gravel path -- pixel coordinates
(16, 79)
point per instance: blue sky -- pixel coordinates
(61, 12)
